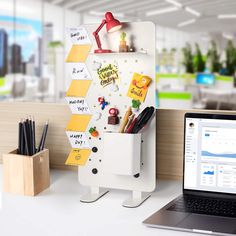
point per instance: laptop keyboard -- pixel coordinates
(206, 206)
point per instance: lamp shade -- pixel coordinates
(112, 24)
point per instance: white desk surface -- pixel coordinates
(58, 211)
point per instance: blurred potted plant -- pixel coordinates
(230, 62)
(213, 58)
(199, 61)
(188, 58)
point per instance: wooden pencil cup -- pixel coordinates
(26, 175)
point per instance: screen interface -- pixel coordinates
(210, 155)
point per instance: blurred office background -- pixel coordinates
(195, 48)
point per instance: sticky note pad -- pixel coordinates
(78, 123)
(78, 53)
(138, 87)
(78, 157)
(78, 88)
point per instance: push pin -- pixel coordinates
(102, 102)
(113, 119)
(93, 132)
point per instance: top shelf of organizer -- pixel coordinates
(120, 53)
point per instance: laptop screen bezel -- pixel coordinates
(202, 192)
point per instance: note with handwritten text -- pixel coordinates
(79, 35)
(79, 71)
(78, 139)
(78, 105)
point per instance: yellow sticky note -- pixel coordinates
(78, 88)
(78, 123)
(138, 87)
(78, 53)
(78, 157)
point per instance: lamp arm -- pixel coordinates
(96, 36)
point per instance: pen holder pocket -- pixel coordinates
(26, 175)
(122, 153)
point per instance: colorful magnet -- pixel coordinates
(93, 132)
(102, 102)
(113, 119)
(135, 105)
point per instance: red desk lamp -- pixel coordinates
(112, 25)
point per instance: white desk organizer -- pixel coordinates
(119, 160)
(122, 153)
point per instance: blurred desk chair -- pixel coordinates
(43, 87)
(18, 89)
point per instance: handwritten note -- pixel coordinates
(108, 74)
(79, 35)
(78, 139)
(79, 71)
(78, 105)
(78, 157)
(139, 87)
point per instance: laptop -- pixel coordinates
(208, 201)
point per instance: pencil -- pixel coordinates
(125, 120)
(33, 139)
(44, 136)
(25, 138)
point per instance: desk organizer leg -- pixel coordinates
(136, 200)
(93, 196)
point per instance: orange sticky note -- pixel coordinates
(78, 88)
(78, 157)
(78, 123)
(138, 87)
(78, 53)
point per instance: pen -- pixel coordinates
(130, 119)
(125, 120)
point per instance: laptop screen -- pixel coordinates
(210, 155)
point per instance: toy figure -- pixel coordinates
(113, 119)
(102, 102)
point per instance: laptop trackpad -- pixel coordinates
(209, 223)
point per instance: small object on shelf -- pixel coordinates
(113, 119)
(123, 47)
(112, 25)
(102, 102)
(135, 105)
(93, 132)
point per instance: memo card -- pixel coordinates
(78, 53)
(79, 71)
(108, 74)
(78, 88)
(139, 86)
(78, 157)
(79, 35)
(78, 123)
(78, 105)
(78, 139)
